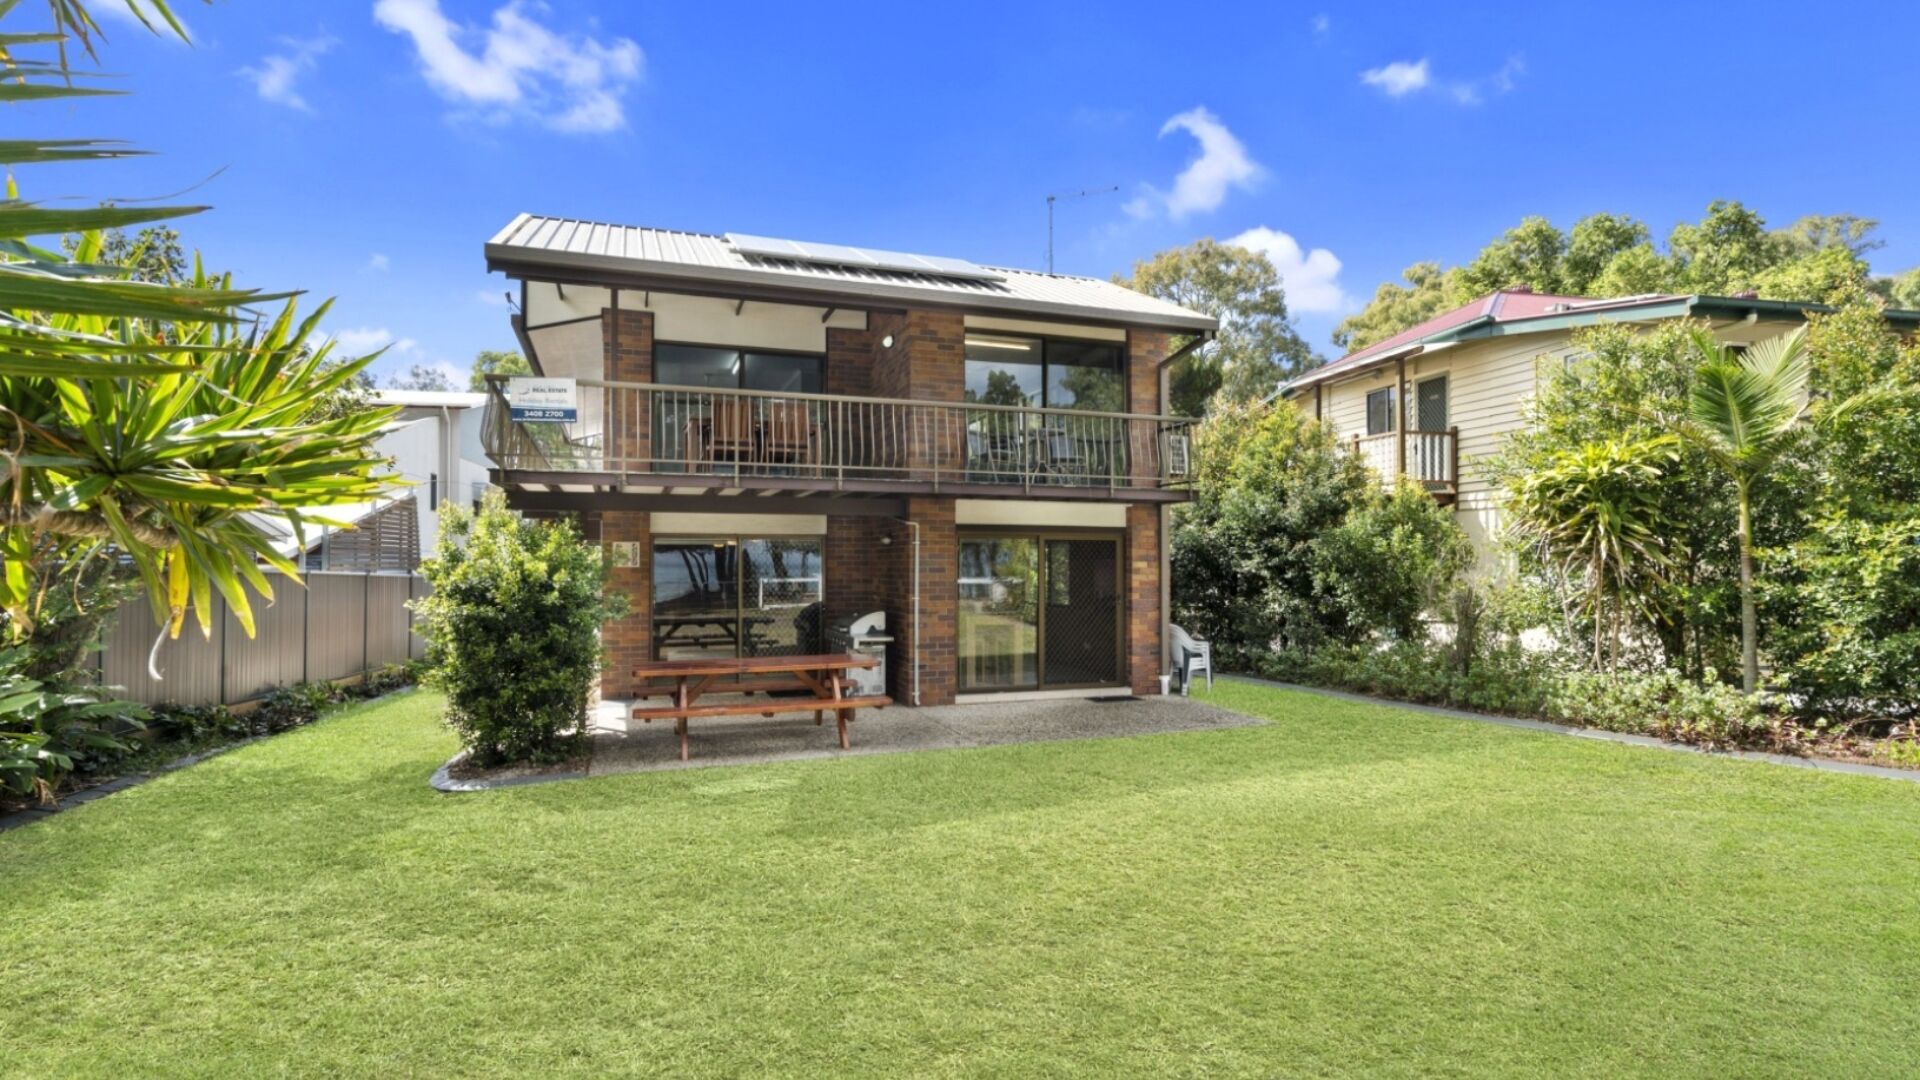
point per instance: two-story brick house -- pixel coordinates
(773, 435)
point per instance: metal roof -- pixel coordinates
(1518, 311)
(531, 243)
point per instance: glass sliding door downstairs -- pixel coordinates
(780, 596)
(736, 596)
(1081, 620)
(998, 618)
(1038, 612)
(696, 599)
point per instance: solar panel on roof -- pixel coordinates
(860, 258)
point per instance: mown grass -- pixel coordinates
(1352, 889)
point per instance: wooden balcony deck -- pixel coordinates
(687, 440)
(1430, 458)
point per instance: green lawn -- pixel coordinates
(1351, 889)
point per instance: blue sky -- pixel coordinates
(366, 149)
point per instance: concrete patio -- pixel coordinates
(620, 745)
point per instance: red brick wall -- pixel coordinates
(850, 362)
(1143, 598)
(1145, 350)
(853, 557)
(939, 601)
(628, 641)
(628, 338)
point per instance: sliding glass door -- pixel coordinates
(1038, 612)
(736, 596)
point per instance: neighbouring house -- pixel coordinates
(775, 437)
(1432, 400)
(435, 446)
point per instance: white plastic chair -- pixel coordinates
(1191, 655)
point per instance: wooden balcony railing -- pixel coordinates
(655, 430)
(1430, 458)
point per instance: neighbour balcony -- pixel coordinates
(1429, 458)
(683, 439)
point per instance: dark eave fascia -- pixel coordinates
(607, 272)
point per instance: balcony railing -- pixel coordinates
(1430, 458)
(660, 431)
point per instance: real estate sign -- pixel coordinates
(538, 399)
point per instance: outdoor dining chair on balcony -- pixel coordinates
(787, 437)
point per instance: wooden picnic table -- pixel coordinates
(822, 675)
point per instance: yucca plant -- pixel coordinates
(153, 422)
(1595, 516)
(1744, 409)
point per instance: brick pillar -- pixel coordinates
(939, 602)
(628, 641)
(853, 559)
(1145, 350)
(927, 362)
(1143, 598)
(628, 340)
(850, 357)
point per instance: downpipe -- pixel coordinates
(915, 526)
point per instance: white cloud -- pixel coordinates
(491, 298)
(276, 77)
(517, 68)
(1222, 165)
(1402, 78)
(1399, 78)
(359, 341)
(1321, 25)
(1311, 278)
(121, 11)
(380, 262)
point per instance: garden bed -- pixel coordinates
(179, 736)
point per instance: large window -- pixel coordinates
(1045, 373)
(736, 596)
(716, 368)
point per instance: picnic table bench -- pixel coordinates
(822, 676)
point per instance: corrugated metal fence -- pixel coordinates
(338, 626)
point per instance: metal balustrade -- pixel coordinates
(656, 430)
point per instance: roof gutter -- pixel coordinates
(606, 272)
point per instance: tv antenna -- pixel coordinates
(1051, 199)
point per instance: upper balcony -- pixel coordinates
(691, 440)
(1429, 458)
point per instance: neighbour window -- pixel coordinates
(1380, 411)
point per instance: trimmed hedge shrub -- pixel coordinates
(513, 632)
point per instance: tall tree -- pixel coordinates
(1744, 408)
(1257, 347)
(496, 362)
(1728, 250)
(422, 377)
(1429, 290)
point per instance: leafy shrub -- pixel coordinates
(1395, 558)
(1509, 680)
(1290, 542)
(46, 729)
(512, 631)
